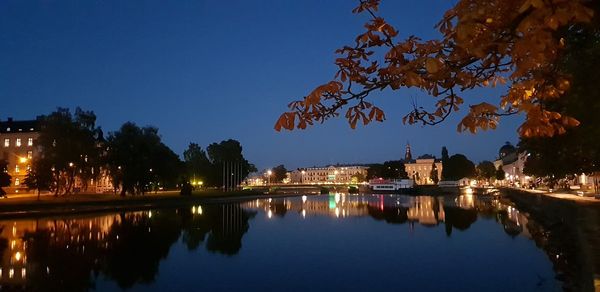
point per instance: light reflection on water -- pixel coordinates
(284, 241)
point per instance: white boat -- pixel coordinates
(378, 185)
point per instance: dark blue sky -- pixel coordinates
(205, 71)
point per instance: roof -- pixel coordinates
(11, 126)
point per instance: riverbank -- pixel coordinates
(557, 195)
(27, 206)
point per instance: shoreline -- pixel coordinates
(48, 205)
(92, 203)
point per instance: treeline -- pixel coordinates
(73, 152)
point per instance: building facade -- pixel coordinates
(512, 163)
(420, 170)
(18, 148)
(329, 175)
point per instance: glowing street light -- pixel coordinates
(269, 172)
(22, 159)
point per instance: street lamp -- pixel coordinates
(269, 172)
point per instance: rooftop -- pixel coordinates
(12, 126)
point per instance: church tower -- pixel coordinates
(407, 154)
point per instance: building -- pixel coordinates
(420, 170)
(18, 140)
(330, 174)
(512, 163)
(19, 147)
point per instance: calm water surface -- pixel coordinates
(327, 242)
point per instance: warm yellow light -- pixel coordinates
(200, 183)
(18, 256)
(22, 159)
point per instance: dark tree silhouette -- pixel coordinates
(5, 178)
(279, 173)
(458, 167)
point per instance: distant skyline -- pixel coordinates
(207, 71)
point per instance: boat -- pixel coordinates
(391, 185)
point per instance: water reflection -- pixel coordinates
(69, 254)
(74, 253)
(455, 212)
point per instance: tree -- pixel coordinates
(279, 173)
(69, 145)
(358, 178)
(484, 42)
(577, 150)
(39, 177)
(500, 174)
(458, 167)
(5, 178)
(389, 169)
(197, 164)
(486, 170)
(138, 161)
(228, 151)
(434, 174)
(444, 161)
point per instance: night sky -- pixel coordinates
(205, 71)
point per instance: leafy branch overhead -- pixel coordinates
(518, 43)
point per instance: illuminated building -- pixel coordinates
(328, 175)
(18, 140)
(18, 147)
(420, 170)
(512, 163)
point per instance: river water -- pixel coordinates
(308, 243)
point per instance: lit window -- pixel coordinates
(29, 154)
(30, 142)
(18, 142)
(8, 129)
(17, 182)
(6, 142)
(17, 170)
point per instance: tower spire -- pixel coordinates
(407, 154)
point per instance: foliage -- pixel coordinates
(486, 170)
(39, 176)
(358, 178)
(279, 173)
(500, 174)
(197, 164)
(458, 167)
(69, 148)
(577, 151)
(5, 178)
(138, 161)
(433, 175)
(228, 151)
(444, 161)
(484, 42)
(389, 169)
